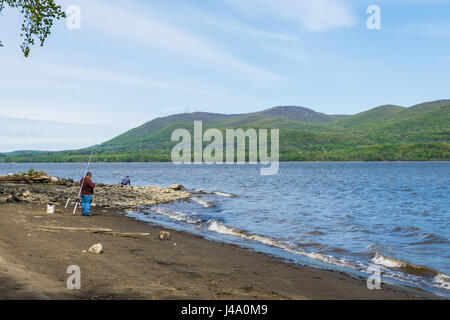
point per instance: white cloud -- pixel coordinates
(241, 28)
(67, 83)
(58, 71)
(312, 15)
(143, 29)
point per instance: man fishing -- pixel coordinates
(126, 181)
(87, 190)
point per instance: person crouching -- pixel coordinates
(87, 190)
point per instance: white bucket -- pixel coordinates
(50, 208)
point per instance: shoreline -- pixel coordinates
(281, 161)
(35, 254)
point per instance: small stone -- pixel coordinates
(164, 235)
(26, 194)
(54, 180)
(96, 248)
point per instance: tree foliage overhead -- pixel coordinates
(38, 17)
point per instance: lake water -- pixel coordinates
(345, 216)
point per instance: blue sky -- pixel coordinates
(132, 61)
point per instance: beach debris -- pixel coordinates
(50, 208)
(128, 234)
(100, 230)
(165, 235)
(96, 248)
(91, 230)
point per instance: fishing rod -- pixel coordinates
(73, 189)
(132, 172)
(84, 179)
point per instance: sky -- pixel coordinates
(136, 60)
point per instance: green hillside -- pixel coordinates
(389, 132)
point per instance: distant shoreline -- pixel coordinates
(292, 161)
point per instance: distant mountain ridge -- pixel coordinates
(146, 131)
(387, 132)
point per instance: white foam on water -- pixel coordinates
(388, 262)
(224, 194)
(442, 281)
(219, 193)
(401, 264)
(343, 262)
(179, 216)
(222, 229)
(202, 202)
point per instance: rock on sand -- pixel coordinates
(96, 248)
(164, 235)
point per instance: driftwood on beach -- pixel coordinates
(25, 179)
(99, 230)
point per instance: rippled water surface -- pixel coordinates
(334, 215)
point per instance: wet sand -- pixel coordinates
(35, 255)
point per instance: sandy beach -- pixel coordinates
(36, 250)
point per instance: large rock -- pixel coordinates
(164, 235)
(96, 248)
